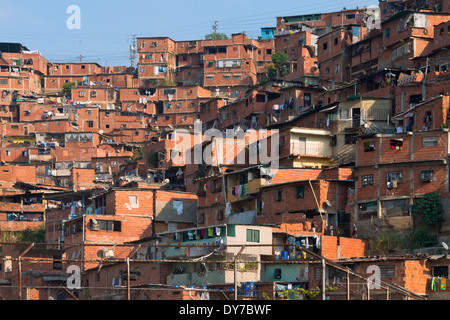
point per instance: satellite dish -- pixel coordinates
(445, 245)
(328, 203)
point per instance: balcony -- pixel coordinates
(212, 277)
(244, 191)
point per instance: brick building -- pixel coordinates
(394, 170)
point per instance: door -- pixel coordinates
(356, 117)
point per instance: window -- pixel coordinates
(81, 94)
(300, 191)
(209, 77)
(154, 44)
(106, 225)
(369, 146)
(268, 51)
(426, 175)
(252, 235)
(350, 16)
(90, 124)
(429, 141)
(440, 271)
(387, 272)
(169, 91)
(8, 152)
(335, 41)
(231, 230)
(278, 195)
(366, 210)
(83, 66)
(367, 180)
(393, 179)
(88, 111)
(57, 262)
(132, 199)
(344, 113)
(325, 46)
(94, 94)
(3, 81)
(396, 144)
(226, 77)
(220, 215)
(237, 76)
(387, 32)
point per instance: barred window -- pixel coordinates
(367, 180)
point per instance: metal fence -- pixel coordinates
(142, 272)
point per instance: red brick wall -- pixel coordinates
(348, 247)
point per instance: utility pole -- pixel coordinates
(215, 30)
(132, 51)
(424, 81)
(81, 57)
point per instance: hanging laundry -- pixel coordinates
(217, 231)
(178, 205)
(433, 284)
(443, 283)
(210, 232)
(394, 184)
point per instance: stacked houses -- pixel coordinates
(201, 145)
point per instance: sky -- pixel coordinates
(107, 28)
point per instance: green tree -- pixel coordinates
(279, 57)
(37, 235)
(281, 66)
(216, 36)
(152, 159)
(429, 210)
(137, 154)
(67, 89)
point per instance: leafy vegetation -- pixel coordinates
(279, 69)
(216, 36)
(67, 89)
(299, 293)
(429, 209)
(394, 241)
(27, 235)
